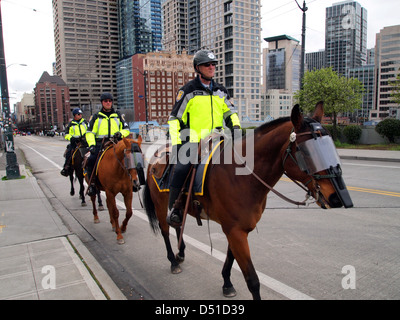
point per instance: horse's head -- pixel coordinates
(312, 159)
(134, 162)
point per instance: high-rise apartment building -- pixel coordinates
(232, 30)
(387, 64)
(86, 44)
(345, 36)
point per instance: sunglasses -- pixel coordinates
(209, 64)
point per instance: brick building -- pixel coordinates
(51, 103)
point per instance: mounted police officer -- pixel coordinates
(201, 105)
(104, 125)
(74, 132)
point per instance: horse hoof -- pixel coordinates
(176, 270)
(179, 259)
(83, 204)
(120, 241)
(96, 220)
(229, 292)
(101, 208)
(72, 193)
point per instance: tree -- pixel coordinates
(339, 94)
(395, 94)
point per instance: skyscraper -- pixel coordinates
(232, 30)
(345, 36)
(387, 66)
(282, 63)
(140, 31)
(86, 44)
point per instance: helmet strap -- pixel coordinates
(202, 75)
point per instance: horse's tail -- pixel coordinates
(150, 209)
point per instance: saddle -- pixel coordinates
(161, 172)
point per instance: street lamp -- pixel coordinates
(303, 42)
(12, 168)
(144, 74)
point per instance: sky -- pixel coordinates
(29, 39)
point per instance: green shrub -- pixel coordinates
(352, 133)
(389, 128)
(335, 133)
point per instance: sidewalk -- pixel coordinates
(40, 259)
(371, 155)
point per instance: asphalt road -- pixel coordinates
(299, 253)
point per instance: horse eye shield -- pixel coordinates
(134, 158)
(317, 154)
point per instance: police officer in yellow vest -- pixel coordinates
(74, 132)
(107, 123)
(201, 106)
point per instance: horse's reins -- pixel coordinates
(126, 170)
(302, 203)
(94, 169)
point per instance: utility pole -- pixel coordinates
(12, 168)
(303, 42)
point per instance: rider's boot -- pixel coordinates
(174, 217)
(66, 168)
(92, 187)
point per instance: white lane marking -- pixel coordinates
(44, 157)
(369, 165)
(267, 281)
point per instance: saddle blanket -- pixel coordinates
(163, 183)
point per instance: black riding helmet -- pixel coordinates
(105, 96)
(203, 56)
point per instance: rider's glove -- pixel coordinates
(92, 149)
(118, 135)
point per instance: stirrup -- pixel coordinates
(174, 218)
(65, 172)
(92, 190)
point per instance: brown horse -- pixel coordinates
(115, 176)
(237, 202)
(77, 168)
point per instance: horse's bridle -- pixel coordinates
(314, 176)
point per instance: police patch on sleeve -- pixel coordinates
(179, 95)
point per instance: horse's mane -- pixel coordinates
(266, 127)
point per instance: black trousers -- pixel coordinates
(71, 147)
(186, 156)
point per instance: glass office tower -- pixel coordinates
(345, 36)
(140, 31)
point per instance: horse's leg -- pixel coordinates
(82, 191)
(175, 268)
(180, 257)
(71, 179)
(128, 205)
(114, 215)
(161, 211)
(227, 289)
(94, 210)
(101, 207)
(239, 245)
